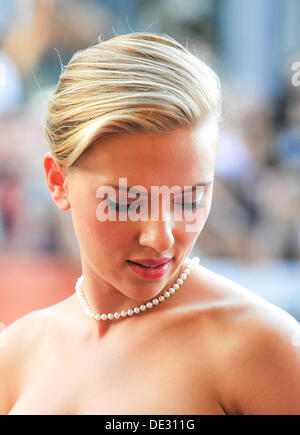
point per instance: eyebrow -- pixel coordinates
(190, 189)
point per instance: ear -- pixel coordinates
(56, 181)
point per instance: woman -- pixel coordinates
(148, 330)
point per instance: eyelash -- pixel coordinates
(119, 207)
(195, 205)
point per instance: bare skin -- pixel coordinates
(212, 348)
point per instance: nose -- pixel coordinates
(157, 235)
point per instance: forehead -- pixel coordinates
(182, 153)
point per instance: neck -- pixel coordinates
(104, 298)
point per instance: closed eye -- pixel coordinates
(119, 207)
(187, 206)
(191, 206)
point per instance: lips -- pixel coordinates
(151, 262)
(149, 272)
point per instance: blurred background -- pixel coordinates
(252, 235)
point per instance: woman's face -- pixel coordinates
(183, 158)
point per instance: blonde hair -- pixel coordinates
(140, 82)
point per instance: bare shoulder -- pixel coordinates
(21, 336)
(263, 370)
(20, 342)
(257, 349)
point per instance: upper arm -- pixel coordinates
(3, 365)
(5, 373)
(262, 375)
(16, 347)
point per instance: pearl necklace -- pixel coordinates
(135, 310)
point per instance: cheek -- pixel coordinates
(192, 227)
(92, 234)
(186, 233)
(113, 235)
(105, 237)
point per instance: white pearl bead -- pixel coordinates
(136, 310)
(196, 260)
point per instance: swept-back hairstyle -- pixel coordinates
(140, 82)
